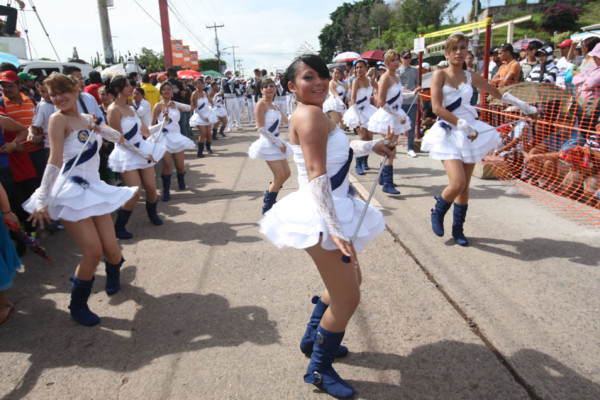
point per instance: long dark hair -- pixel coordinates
(312, 60)
(117, 84)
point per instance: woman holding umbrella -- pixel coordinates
(361, 109)
(72, 192)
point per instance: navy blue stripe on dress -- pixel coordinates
(361, 100)
(340, 176)
(273, 127)
(201, 106)
(454, 105)
(129, 135)
(393, 99)
(85, 156)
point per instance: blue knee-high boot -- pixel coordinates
(320, 371)
(181, 181)
(122, 219)
(113, 274)
(80, 292)
(460, 213)
(358, 167)
(200, 150)
(152, 214)
(365, 166)
(437, 214)
(388, 180)
(308, 340)
(269, 200)
(166, 181)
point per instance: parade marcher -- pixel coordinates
(269, 146)
(458, 139)
(238, 89)
(218, 110)
(321, 216)
(72, 192)
(171, 138)
(334, 105)
(390, 114)
(106, 174)
(360, 110)
(229, 98)
(203, 118)
(280, 97)
(133, 159)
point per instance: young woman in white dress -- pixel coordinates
(202, 118)
(218, 110)
(73, 193)
(390, 114)
(269, 146)
(171, 137)
(135, 169)
(361, 109)
(459, 139)
(321, 216)
(334, 105)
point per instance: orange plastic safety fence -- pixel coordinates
(556, 158)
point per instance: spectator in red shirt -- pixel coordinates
(95, 84)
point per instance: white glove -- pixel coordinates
(50, 175)
(363, 148)
(181, 106)
(388, 109)
(272, 138)
(321, 192)
(112, 135)
(466, 128)
(520, 104)
(339, 101)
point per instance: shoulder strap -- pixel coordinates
(85, 110)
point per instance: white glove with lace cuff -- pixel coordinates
(181, 106)
(112, 135)
(363, 148)
(520, 104)
(466, 128)
(272, 138)
(322, 194)
(43, 194)
(339, 101)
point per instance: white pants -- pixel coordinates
(250, 105)
(232, 106)
(291, 103)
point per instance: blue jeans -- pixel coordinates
(184, 123)
(412, 114)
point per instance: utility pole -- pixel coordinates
(166, 32)
(215, 26)
(109, 56)
(233, 51)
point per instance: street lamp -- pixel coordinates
(378, 35)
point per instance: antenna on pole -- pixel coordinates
(215, 26)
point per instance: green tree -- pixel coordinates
(210, 63)
(423, 13)
(350, 27)
(151, 60)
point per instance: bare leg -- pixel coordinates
(132, 178)
(167, 164)
(87, 239)
(149, 182)
(179, 162)
(459, 176)
(281, 172)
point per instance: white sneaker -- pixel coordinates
(411, 153)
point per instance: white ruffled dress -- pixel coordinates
(294, 221)
(379, 122)
(362, 110)
(263, 148)
(84, 194)
(201, 112)
(123, 160)
(445, 141)
(218, 110)
(332, 103)
(171, 136)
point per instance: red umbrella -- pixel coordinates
(188, 74)
(373, 55)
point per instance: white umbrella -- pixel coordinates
(346, 56)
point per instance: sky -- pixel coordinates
(266, 34)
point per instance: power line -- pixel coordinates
(215, 26)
